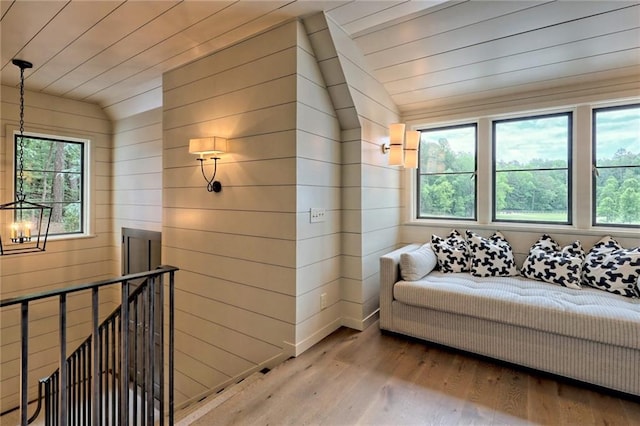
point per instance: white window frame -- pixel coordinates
(87, 216)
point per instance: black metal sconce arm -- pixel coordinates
(212, 185)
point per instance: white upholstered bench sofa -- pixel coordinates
(588, 335)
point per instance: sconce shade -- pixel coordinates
(213, 145)
(396, 140)
(396, 155)
(411, 147)
(210, 145)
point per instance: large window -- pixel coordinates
(532, 169)
(616, 166)
(53, 175)
(446, 172)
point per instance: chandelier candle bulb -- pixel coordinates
(20, 232)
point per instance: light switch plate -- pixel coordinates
(317, 215)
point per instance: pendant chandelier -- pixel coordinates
(24, 225)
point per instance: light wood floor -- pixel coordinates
(372, 378)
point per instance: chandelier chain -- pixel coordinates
(20, 194)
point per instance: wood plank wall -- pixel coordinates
(318, 185)
(236, 290)
(370, 188)
(137, 172)
(65, 262)
(291, 149)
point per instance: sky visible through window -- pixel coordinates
(618, 129)
(458, 138)
(526, 139)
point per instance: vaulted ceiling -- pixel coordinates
(426, 53)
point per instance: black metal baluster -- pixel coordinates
(83, 388)
(114, 388)
(96, 388)
(47, 402)
(24, 361)
(172, 324)
(86, 383)
(124, 347)
(75, 383)
(89, 388)
(152, 351)
(102, 385)
(105, 374)
(62, 389)
(70, 393)
(78, 388)
(56, 398)
(120, 375)
(145, 363)
(161, 319)
(134, 356)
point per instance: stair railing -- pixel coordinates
(115, 376)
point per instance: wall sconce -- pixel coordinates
(403, 146)
(396, 140)
(214, 146)
(411, 147)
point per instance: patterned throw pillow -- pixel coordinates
(550, 263)
(417, 263)
(612, 268)
(490, 257)
(451, 252)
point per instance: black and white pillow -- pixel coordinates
(612, 268)
(545, 242)
(548, 262)
(451, 252)
(490, 257)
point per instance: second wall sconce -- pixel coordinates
(212, 146)
(403, 146)
(411, 149)
(396, 140)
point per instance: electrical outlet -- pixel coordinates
(317, 215)
(323, 301)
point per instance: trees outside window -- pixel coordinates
(446, 172)
(532, 169)
(616, 166)
(54, 175)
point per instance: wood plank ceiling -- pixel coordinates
(426, 53)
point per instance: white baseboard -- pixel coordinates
(361, 324)
(317, 336)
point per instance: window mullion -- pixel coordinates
(483, 171)
(582, 170)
